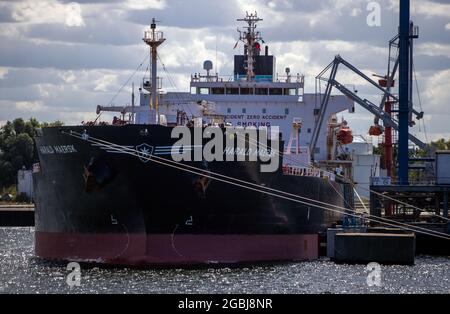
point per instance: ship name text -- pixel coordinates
(57, 149)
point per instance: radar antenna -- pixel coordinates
(251, 38)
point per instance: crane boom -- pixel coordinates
(377, 111)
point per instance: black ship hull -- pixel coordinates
(95, 205)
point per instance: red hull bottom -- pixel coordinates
(166, 250)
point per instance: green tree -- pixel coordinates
(17, 147)
(441, 144)
(19, 150)
(19, 126)
(52, 124)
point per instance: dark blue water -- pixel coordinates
(21, 272)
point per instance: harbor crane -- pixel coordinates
(383, 112)
(404, 64)
(377, 111)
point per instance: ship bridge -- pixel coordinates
(215, 88)
(254, 77)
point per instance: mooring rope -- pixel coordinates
(347, 180)
(259, 189)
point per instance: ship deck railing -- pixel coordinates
(197, 78)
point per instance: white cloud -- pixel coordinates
(75, 118)
(271, 16)
(103, 83)
(146, 4)
(427, 8)
(46, 90)
(437, 93)
(30, 106)
(303, 42)
(11, 30)
(48, 11)
(430, 8)
(356, 12)
(68, 76)
(433, 49)
(285, 4)
(74, 17)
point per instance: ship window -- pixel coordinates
(290, 91)
(286, 111)
(233, 91)
(244, 110)
(246, 91)
(203, 90)
(261, 91)
(229, 110)
(276, 91)
(217, 91)
(193, 90)
(309, 131)
(264, 111)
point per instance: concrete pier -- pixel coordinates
(383, 248)
(331, 235)
(16, 216)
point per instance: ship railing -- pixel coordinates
(257, 78)
(297, 151)
(297, 171)
(153, 36)
(384, 181)
(291, 79)
(197, 78)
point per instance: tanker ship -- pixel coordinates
(113, 193)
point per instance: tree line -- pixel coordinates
(17, 147)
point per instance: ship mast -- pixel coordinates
(154, 39)
(250, 38)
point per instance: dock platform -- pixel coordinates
(17, 216)
(383, 248)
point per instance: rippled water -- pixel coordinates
(21, 272)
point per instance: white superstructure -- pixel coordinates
(254, 96)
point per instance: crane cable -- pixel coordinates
(420, 104)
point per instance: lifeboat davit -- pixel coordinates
(345, 136)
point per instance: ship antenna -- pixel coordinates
(250, 37)
(154, 39)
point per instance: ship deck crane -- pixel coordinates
(377, 111)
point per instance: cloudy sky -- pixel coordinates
(60, 59)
